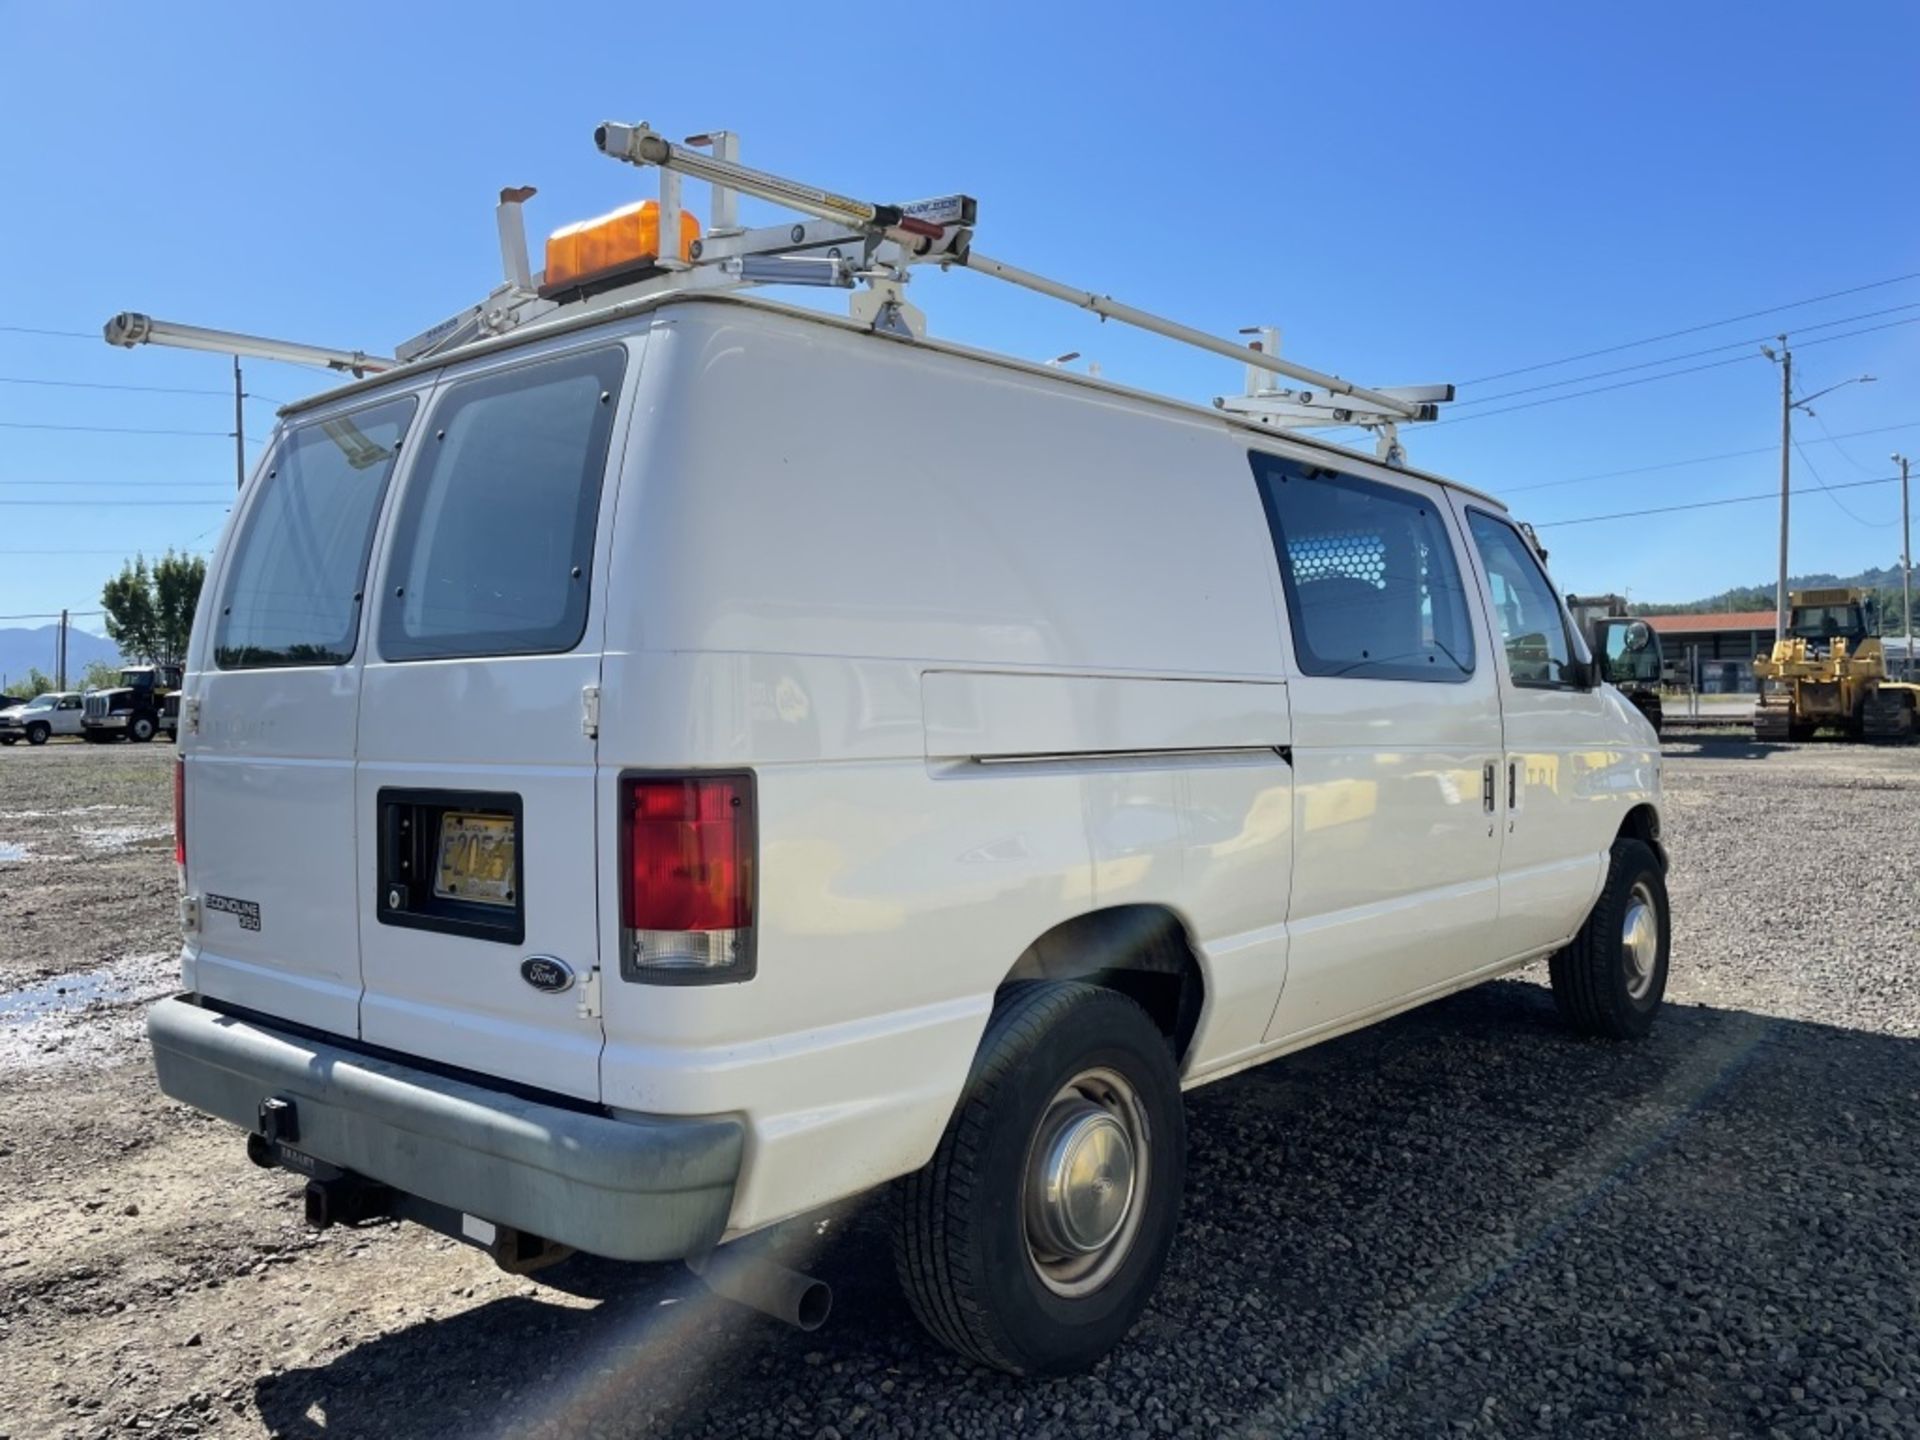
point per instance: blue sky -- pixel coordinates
(1410, 200)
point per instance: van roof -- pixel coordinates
(589, 316)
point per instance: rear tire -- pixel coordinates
(1072, 1085)
(1611, 979)
(39, 734)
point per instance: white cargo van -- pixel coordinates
(669, 767)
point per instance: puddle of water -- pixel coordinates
(62, 814)
(123, 837)
(82, 1015)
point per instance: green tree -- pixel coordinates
(38, 682)
(150, 608)
(101, 675)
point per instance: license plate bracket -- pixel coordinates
(453, 861)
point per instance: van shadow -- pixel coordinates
(1463, 1221)
(1679, 743)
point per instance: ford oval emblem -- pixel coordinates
(544, 972)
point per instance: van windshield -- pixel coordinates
(293, 582)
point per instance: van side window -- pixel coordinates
(292, 590)
(493, 544)
(1532, 626)
(1373, 589)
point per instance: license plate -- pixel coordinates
(476, 858)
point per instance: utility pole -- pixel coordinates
(1906, 568)
(60, 656)
(239, 431)
(1784, 358)
(1786, 472)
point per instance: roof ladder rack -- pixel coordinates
(896, 237)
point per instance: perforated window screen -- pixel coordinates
(1320, 557)
(1372, 585)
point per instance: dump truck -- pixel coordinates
(1829, 672)
(1627, 649)
(135, 709)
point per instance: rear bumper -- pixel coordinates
(628, 1189)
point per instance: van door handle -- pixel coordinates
(1513, 784)
(1486, 787)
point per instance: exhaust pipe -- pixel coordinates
(767, 1286)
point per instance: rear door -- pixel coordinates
(271, 839)
(475, 779)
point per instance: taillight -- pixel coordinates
(180, 816)
(686, 878)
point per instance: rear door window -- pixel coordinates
(293, 583)
(493, 545)
(1373, 587)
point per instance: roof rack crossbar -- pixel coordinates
(130, 328)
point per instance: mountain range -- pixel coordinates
(26, 647)
(1885, 580)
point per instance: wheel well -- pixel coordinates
(1142, 951)
(1643, 823)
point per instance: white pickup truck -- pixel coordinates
(57, 712)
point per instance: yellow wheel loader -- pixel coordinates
(1829, 672)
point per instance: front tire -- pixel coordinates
(1611, 979)
(1035, 1237)
(39, 734)
(140, 729)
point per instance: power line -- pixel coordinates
(64, 334)
(103, 385)
(1693, 329)
(222, 485)
(1706, 504)
(1703, 459)
(117, 430)
(142, 389)
(1665, 375)
(1688, 355)
(1834, 440)
(51, 614)
(1599, 389)
(1804, 460)
(117, 504)
(118, 550)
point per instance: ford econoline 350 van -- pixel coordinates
(652, 774)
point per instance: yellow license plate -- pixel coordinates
(476, 858)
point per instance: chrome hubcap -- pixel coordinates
(1640, 941)
(1086, 1168)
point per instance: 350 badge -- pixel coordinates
(247, 912)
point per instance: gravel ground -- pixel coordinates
(1462, 1222)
